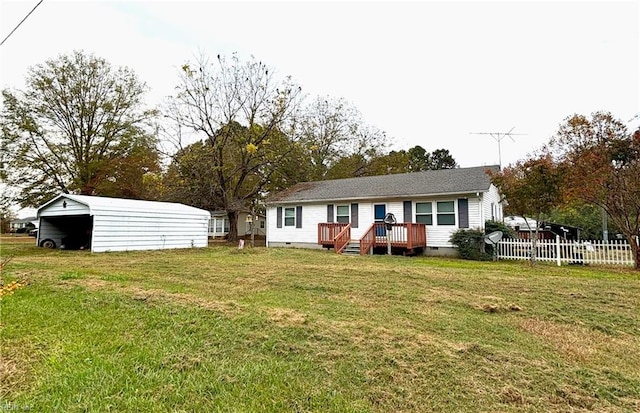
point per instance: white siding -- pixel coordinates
(147, 232)
(491, 206)
(57, 208)
(313, 214)
(475, 213)
(438, 235)
(125, 225)
(46, 230)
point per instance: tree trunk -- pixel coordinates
(254, 222)
(233, 226)
(534, 247)
(635, 249)
(534, 239)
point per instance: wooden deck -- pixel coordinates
(405, 236)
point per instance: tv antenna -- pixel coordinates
(498, 137)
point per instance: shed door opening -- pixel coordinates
(71, 232)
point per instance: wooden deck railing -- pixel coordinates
(327, 233)
(342, 239)
(368, 240)
(403, 235)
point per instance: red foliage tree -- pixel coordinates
(602, 164)
(532, 188)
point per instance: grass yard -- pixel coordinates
(284, 330)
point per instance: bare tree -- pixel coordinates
(334, 135)
(244, 116)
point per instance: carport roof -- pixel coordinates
(97, 204)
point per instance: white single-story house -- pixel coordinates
(348, 213)
(18, 224)
(219, 224)
(114, 224)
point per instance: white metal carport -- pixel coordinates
(115, 224)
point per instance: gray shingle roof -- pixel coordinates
(427, 183)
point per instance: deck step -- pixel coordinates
(352, 248)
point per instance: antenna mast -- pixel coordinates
(498, 137)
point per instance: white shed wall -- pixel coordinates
(151, 231)
(64, 206)
(126, 225)
(46, 230)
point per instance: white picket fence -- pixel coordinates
(614, 252)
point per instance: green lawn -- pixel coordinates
(220, 329)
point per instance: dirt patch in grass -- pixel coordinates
(286, 316)
(574, 342)
(228, 308)
(574, 397)
(10, 374)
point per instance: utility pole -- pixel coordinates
(605, 230)
(498, 137)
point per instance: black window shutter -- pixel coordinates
(279, 217)
(298, 217)
(407, 211)
(354, 215)
(463, 213)
(330, 213)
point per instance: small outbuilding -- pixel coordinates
(103, 224)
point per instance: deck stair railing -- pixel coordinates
(368, 240)
(341, 240)
(327, 233)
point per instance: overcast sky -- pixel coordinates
(427, 73)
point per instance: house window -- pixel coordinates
(342, 214)
(424, 213)
(446, 213)
(289, 217)
(261, 224)
(222, 225)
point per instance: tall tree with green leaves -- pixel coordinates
(78, 127)
(442, 159)
(414, 159)
(6, 214)
(602, 163)
(532, 188)
(421, 160)
(241, 112)
(587, 217)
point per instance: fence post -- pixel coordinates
(558, 250)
